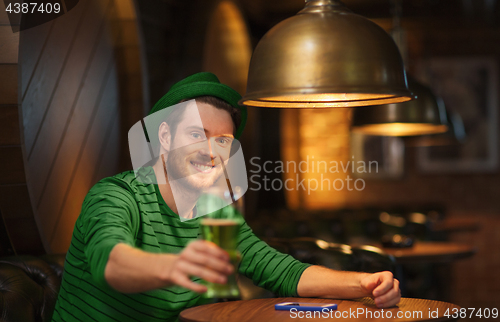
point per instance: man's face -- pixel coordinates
(201, 142)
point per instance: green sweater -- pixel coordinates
(123, 209)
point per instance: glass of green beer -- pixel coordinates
(222, 227)
(224, 233)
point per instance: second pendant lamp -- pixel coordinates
(424, 115)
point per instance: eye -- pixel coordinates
(196, 135)
(224, 140)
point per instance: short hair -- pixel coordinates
(174, 118)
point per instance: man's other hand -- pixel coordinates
(383, 287)
(202, 259)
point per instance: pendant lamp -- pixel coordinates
(325, 56)
(454, 136)
(424, 115)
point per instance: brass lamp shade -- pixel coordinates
(424, 115)
(325, 56)
(454, 136)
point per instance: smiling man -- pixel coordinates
(132, 258)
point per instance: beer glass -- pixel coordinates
(221, 227)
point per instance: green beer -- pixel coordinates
(223, 233)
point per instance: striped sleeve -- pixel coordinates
(109, 216)
(266, 267)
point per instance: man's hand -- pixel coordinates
(131, 270)
(202, 259)
(317, 281)
(383, 287)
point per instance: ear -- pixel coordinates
(165, 137)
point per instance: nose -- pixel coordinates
(207, 150)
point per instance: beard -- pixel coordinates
(178, 168)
